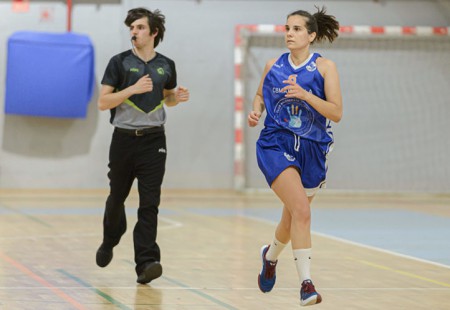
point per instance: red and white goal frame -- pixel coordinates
(244, 32)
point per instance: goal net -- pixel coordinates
(394, 135)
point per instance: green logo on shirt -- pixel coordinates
(134, 70)
(160, 71)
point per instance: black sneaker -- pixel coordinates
(104, 255)
(151, 271)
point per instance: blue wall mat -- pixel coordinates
(49, 74)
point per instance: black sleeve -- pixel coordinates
(172, 82)
(112, 73)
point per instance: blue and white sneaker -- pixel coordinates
(267, 276)
(308, 294)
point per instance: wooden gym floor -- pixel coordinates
(370, 252)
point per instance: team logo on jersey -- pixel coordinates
(294, 114)
(311, 67)
(289, 157)
(160, 71)
(134, 69)
(162, 150)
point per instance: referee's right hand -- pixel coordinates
(143, 85)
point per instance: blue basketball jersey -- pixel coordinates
(294, 114)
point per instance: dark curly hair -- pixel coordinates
(155, 19)
(325, 26)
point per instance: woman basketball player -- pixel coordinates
(301, 93)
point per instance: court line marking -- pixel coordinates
(94, 289)
(405, 273)
(356, 243)
(30, 217)
(193, 290)
(53, 236)
(200, 293)
(42, 281)
(233, 288)
(172, 225)
(381, 250)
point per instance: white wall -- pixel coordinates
(48, 153)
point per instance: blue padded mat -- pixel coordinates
(49, 74)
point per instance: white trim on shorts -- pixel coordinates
(312, 191)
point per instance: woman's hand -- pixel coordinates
(293, 90)
(253, 118)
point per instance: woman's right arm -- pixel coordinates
(258, 106)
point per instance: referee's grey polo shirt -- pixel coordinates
(142, 110)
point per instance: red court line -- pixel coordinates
(42, 281)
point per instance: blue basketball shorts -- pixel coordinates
(278, 150)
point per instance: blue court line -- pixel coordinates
(95, 290)
(8, 210)
(195, 291)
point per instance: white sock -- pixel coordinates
(275, 249)
(302, 259)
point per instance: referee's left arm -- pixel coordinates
(174, 96)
